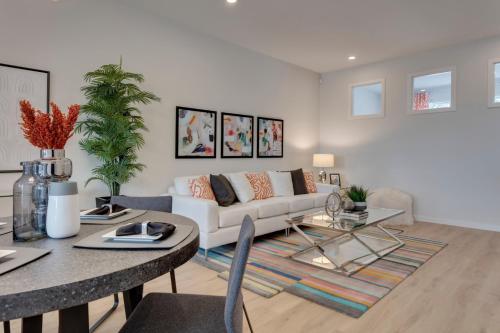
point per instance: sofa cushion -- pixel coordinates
(270, 207)
(299, 182)
(241, 186)
(310, 184)
(234, 214)
(299, 203)
(201, 189)
(319, 199)
(223, 190)
(282, 183)
(261, 185)
(182, 185)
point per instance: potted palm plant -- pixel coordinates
(112, 125)
(358, 195)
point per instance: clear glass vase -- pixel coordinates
(40, 197)
(59, 168)
(23, 208)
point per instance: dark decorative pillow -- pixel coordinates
(224, 193)
(299, 182)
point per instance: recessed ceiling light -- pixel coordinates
(351, 58)
(232, 1)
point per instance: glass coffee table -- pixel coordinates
(350, 249)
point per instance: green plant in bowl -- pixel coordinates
(358, 195)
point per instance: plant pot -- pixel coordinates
(99, 201)
(360, 206)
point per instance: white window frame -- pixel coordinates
(382, 99)
(452, 107)
(491, 83)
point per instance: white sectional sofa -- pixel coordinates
(221, 225)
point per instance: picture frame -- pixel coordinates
(335, 179)
(237, 133)
(195, 133)
(270, 137)
(19, 83)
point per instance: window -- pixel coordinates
(367, 99)
(494, 84)
(432, 91)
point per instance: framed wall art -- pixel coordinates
(237, 136)
(16, 84)
(269, 137)
(195, 133)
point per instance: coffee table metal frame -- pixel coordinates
(335, 225)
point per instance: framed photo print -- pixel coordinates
(195, 133)
(17, 84)
(269, 137)
(237, 136)
(335, 179)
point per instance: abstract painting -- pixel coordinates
(270, 137)
(237, 136)
(18, 83)
(195, 133)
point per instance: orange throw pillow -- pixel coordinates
(310, 184)
(201, 189)
(261, 185)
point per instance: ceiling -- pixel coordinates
(321, 34)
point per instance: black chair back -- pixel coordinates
(234, 299)
(159, 204)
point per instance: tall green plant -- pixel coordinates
(112, 125)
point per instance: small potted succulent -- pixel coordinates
(358, 195)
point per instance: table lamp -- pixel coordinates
(323, 161)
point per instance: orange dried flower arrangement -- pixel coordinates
(48, 130)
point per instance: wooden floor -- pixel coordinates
(456, 291)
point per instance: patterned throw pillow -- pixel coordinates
(310, 184)
(261, 185)
(201, 189)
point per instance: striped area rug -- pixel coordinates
(270, 270)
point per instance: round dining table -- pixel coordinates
(68, 278)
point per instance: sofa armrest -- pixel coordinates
(327, 188)
(204, 212)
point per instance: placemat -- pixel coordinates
(6, 228)
(95, 241)
(130, 215)
(23, 256)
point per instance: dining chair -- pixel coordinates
(160, 312)
(160, 204)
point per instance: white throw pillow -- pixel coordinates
(241, 186)
(182, 185)
(282, 183)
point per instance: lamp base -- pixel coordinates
(322, 176)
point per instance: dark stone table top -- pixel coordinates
(71, 276)
(7, 228)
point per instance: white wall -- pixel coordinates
(449, 162)
(73, 37)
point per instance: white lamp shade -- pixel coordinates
(323, 160)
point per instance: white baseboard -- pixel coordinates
(459, 223)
